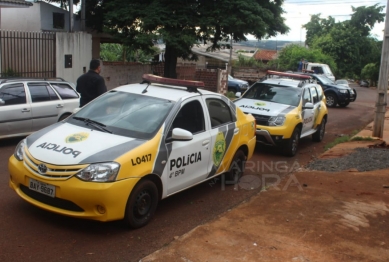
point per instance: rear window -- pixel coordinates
(65, 91)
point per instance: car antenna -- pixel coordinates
(145, 82)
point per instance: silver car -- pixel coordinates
(27, 105)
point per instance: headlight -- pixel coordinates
(343, 91)
(101, 172)
(19, 150)
(276, 120)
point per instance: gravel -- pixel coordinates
(363, 159)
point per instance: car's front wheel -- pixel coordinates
(237, 167)
(291, 145)
(319, 134)
(331, 100)
(141, 204)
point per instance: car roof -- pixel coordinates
(283, 82)
(165, 91)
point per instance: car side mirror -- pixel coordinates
(2, 102)
(179, 134)
(238, 94)
(308, 105)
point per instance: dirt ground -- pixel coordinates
(309, 216)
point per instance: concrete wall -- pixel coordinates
(120, 73)
(36, 18)
(79, 45)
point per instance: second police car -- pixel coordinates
(136, 144)
(286, 107)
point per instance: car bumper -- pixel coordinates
(73, 197)
(274, 137)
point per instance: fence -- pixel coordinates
(27, 54)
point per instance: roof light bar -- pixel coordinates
(290, 75)
(171, 81)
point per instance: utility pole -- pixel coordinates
(379, 118)
(71, 21)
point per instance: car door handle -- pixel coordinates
(236, 131)
(59, 106)
(205, 142)
(25, 110)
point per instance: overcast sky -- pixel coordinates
(298, 12)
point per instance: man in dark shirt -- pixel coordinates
(91, 85)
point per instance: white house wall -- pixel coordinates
(37, 18)
(21, 19)
(79, 45)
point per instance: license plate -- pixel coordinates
(43, 188)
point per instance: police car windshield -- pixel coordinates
(274, 93)
(127, 114)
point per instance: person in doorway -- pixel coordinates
(300, 66)
(91, 85)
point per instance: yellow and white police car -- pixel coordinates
(136, 144)
(286, 107)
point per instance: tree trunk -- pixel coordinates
(170, 62)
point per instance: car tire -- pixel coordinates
(291, 145)
(63, 117)
(344, 104)
(236, 169)
(331, 100)
(141, 204)
(319, 134)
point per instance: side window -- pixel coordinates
(319, 90)
(307, 96)
(190, 117)
(219, 112)
(39, 92)
(315, 96)
(65, 91)
(13, 94)
(53, 95)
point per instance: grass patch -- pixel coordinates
(231, 95)
(346, 138)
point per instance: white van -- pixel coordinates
(320, 69)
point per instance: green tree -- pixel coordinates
(371, 72)
(182, 24)
(119, 52)
(290, 56)
(347, 42)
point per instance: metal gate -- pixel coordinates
(27, 54)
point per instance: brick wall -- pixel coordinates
(120, 73)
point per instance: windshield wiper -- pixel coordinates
(94, 123)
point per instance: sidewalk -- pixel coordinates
(337, 216)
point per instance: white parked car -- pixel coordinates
(27, 105)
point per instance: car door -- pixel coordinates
(70, 98)
(188, 161)
(224, 132)
(316, 94)
(15, 111)
(45, 105)
(307, 113)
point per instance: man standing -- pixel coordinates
(301, 65)
(91, 85)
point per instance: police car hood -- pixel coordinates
(67, 144)
(259, 107)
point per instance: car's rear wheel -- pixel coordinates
(141, 204)
(237, 167)
(331, 100)
(319, 134)
(231, 89)
(291, 145)
(63, 117)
